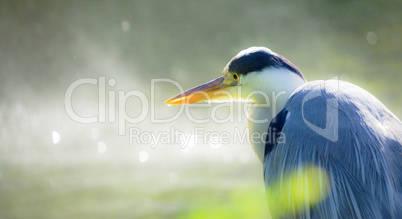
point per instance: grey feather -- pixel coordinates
(364, 163)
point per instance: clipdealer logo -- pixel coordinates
(110, 99)
(201, 136)
(107, 113)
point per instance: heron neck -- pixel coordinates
(259, 118)
(264, 110)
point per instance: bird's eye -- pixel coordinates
(235, 76)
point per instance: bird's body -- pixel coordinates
(332, 149)
(363, 163)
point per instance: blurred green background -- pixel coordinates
(54, 167)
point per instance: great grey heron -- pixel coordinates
(332, 150)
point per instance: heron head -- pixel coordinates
(252, 70)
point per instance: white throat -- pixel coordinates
(271, 89)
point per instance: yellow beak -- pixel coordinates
(211, 90)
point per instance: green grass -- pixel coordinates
(99, 189)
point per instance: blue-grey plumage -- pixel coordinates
(332, 151)
(363, 163)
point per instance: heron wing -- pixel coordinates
(344, 130)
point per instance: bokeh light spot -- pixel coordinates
(214, 142)
(143, 156)
(371, 38)
(125, 26)
(56, 137)
(102, 147)
(111, 82)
